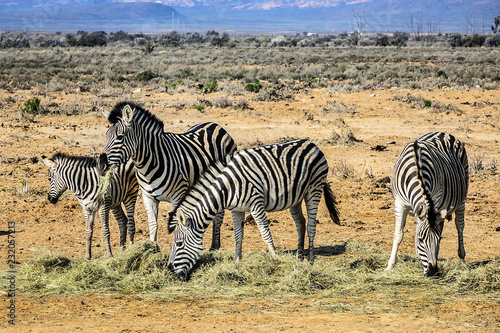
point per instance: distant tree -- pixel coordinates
(470, 23)
(360, 23)
(382, 41)
(220, 40)
(96, 38)
(495, 27)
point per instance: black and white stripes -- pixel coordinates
(81, 175)
(168, 164)
(258, 180)
(430, 178)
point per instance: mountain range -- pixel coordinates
(248, 16)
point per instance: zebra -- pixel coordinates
(256, 180)
(430, 179)
(167, 164)
(82, 176)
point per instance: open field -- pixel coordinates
(346, 100)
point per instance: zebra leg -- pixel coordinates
(151, 205)
(122, 224)
(401, 214)
(130, 209)
(259, 215)
(238, 219)
(460, 223)
(104, 214)
(312, 202)
(216, 231)
(300, 225)
(89, 230)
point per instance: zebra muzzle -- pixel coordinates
(431, 270)
(52, 200)
(180, 275)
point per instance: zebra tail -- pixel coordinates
(331, 203)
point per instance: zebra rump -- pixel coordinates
(84, 177)
(257, 180)
(430, 179)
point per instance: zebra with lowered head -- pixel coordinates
(430, 179)
(258, 180)
(82, 176)
(167, 164)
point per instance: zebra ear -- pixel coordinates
(128, 113)
(171, 223)
(181, 218)
(105, 113)
(48, 162)
(421, 210)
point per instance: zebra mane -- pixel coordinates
(431, 211)
(90, 161)
(139, 113)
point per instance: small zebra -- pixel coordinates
(258, 180)
(167, 164)
(81, 175)
(430, 179)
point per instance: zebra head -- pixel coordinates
(121, 140)
(427, 237)
(57, 183)
(187, 244)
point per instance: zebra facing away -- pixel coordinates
(257, 180)
(81, 175)
(167, 164)
(430, 179)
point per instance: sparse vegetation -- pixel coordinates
(180, 63)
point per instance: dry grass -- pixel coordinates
(353, 268)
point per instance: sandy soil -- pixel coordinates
(366, 207)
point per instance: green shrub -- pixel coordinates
(209, 87)
(145, 76)
(253, 87)
(33, 107)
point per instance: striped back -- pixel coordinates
(167, 163)
(271, 178)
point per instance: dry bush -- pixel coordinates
(222, 102)
(343, 169)
(242, 103)
(339, 107)
(415, 101)
(477, 164)
(346, 136)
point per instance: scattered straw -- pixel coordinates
(105, 182)
(356, 271)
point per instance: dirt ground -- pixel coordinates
(365, 204)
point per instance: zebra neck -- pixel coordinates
(149, 150)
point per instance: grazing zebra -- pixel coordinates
(167, 164)
(81, 175)
(268, 178)
(430, 178)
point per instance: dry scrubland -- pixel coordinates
(360, 105)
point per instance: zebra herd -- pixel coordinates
(202, 173)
